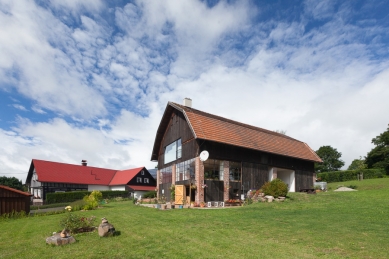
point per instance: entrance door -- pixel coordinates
(180, 194)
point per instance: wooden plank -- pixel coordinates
(180, 194)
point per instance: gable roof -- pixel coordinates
(14, 190)
(56, 172)
(214, 128)
(124, 176)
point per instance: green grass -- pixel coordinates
(327, 225)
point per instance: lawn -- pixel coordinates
(326, 225)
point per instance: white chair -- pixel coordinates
(209, 204)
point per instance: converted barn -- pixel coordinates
(238, 157)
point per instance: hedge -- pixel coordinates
(349, 175)
(59, 197)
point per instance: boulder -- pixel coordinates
(57, 240)
(105, 228)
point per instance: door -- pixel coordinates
(180, 194)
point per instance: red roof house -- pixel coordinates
(47, 176)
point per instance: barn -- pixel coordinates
(217, 159)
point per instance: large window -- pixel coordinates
(173, 151)
(235, 171)
(166, 175)
(185, 170)
(213, 169)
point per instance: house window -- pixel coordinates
(173, 151)
(146, 180)
(166, 175)
(142, 172)
(213, 169)
(185, 170)
(139, 180)
(235, 171)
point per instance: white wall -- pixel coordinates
(98, 188)
(118, 188)
(287, 176)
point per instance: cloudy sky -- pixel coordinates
(89, 79)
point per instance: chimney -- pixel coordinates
(187, 102)
(84, 162)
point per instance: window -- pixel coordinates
(139, 180)
(142, 172)
(166, 175)
(213, 169)
(185, 170)
(235, 171)
(146, 180)
(173, 151)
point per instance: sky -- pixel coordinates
(90, 79)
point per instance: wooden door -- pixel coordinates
(180, 194)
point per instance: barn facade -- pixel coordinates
(241, 157)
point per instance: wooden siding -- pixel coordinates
(214, 190)
(303, 180)
(254, 176)
(12, 201)
(178, 128)
(166, 191)
(231, 153)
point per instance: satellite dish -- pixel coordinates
(204, 155)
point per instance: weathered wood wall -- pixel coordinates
(178, 128)
(214, 190)
(12, 201)
(254, 175)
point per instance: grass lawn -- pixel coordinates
(327, 225)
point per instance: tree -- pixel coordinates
(378, 157)
(331, 159)
(357, 164)
(12, 182)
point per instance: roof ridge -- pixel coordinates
(184, 109)
(73, 164)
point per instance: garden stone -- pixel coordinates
(106, 229)
(57, 240)
(269, 198)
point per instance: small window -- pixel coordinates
(146, 180)
(139, 180)
(142, 172)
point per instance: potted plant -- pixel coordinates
(202, 204)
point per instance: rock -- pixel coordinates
(57, 240)
(106, 229)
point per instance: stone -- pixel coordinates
(57, 240)
(105, 228)
(269, 198)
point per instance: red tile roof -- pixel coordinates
(17, 191)
(124, 176)
(218, 129)
(142, 188)
(75, 174)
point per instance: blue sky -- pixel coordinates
(88, 79)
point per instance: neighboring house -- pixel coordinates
(12, 200)
(47, 177)
(241, 156)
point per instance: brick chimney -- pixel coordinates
(84, 162)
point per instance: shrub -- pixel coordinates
(92, 201)
(150, 194)
(60, 197)
(349, 175)
(75, 223)
(275, 188)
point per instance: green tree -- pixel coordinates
(12, 182)
(357, 164)
(378, 157)
(331, 159)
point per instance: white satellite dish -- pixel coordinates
(204, 155)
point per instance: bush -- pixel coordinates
(349, 175)
(60, 197)
(75, 223)
(275, 188)
(92, 201)
(150, 194)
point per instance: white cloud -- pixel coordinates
(19, 107)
